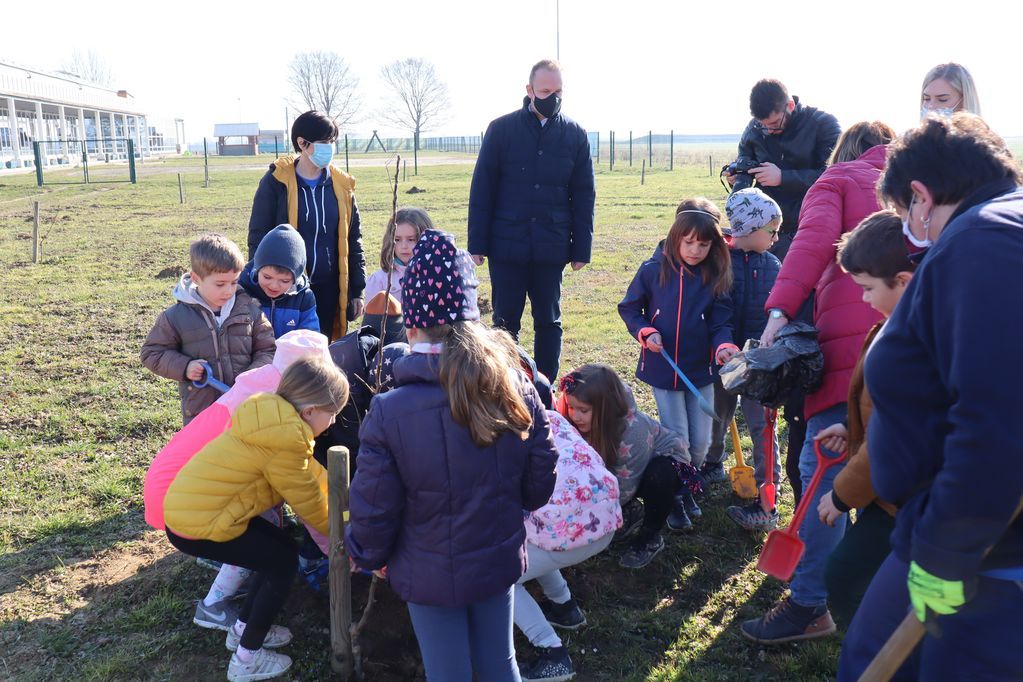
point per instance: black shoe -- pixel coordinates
(567, 616)
(678, 520)
(632, 517)
(713, 472)
(552, 665)
(643, 550)
(693, 510)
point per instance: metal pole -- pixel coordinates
(710, 166)
(630, 149)
(404, 170)
(339, 577)
(206, 162)
(346, 153)
(671, 151)
(181, 190)
(642, 174)
(415, 154)
(277, 151)
(131, 161)
(38, 161)
(35, 231)
(650, 148)
(612, 167)
(598, 146)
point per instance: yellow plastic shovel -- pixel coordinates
(743, 481)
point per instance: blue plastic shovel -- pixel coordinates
(209, 380)
(704, 405)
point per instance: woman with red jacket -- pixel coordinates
(843, 196)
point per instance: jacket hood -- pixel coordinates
(875, 156)
(250, 283)
(268, 420)
(417, 368)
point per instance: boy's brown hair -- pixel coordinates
(876, 248)
(214, 253)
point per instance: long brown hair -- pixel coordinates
(858, 138)
(479, 372)
(599, 387)
(701, 217)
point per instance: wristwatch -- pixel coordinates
(776, 313)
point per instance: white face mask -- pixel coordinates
(924, 243)
(943, 112)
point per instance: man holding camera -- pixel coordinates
(785, 148)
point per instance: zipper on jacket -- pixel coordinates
(678, 319)
(642, 348)
(211, 324)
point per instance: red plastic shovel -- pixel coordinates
(768, 491)
(784, 549)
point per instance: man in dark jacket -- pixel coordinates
(531, 210)
(792, 142)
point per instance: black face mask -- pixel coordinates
(549, 106)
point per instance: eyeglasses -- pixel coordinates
(773, 232)
(778, 127)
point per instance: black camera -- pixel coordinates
(740, 168)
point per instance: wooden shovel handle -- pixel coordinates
(896, 650)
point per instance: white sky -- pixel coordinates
(642, 65)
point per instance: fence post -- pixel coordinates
(277, 153)
(415, 153)
(612, 139)
(181, 190)
(206, 162)
(671, 151)
(35, 231)
(38, 161)
(630, 149)
(339, 577)
(598, 147)
(650, 148)
(346, 153)
(131, 161)
(710, 166)
(642, 174)
(85, 163)
(404, 170)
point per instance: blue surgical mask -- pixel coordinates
(924, 243)
(323, 153)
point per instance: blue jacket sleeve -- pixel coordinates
(377, 495)
(582, 192)
(308, 319)
(980, 483)
(264, 212)
(483, 192)
(538, 482)
(720, 322)
(633, 309)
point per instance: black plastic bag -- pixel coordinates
(769, 374)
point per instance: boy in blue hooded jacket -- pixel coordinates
(276, 278)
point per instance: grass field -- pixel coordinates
(87, 589)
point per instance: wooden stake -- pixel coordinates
(642, 174)
(340, 578)
(181, 189)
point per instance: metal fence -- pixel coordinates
(51, 154)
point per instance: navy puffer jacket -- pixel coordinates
(753, 276)
(692, 321)
(532, 193)
(445, 516)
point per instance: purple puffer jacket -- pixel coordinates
(445, 516)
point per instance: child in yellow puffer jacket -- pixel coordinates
(212, 509)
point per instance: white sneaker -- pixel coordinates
(264, 665)
(278, 636)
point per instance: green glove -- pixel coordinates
(929, 592)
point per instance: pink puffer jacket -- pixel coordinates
(843, 196)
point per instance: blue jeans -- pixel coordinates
(510, 284)
(457, 641)
(808, 586)
(680, 412)
(984, 641)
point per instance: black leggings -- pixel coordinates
(271, 554)
(657, 489)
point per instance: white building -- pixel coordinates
(71, 117)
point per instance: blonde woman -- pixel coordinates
(948, 88)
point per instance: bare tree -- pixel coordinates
(88, 66)
(324, 81)
(421, 98)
